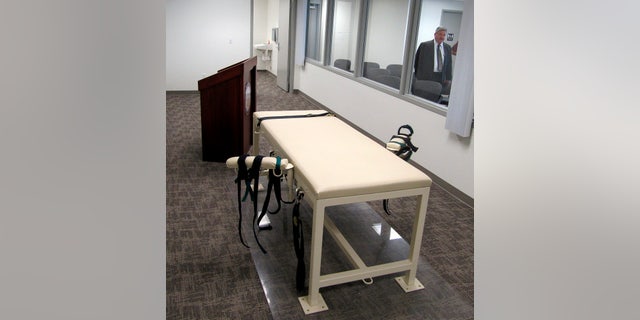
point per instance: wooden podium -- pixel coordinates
(227, 104)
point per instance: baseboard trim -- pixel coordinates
(453, 191)
(183, 92)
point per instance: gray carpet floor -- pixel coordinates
(211, 275)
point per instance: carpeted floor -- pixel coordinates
(210, 275)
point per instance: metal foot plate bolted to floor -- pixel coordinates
(407, 288)
(309, 309)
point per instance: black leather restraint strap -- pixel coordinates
(308, 115)
(298, 243)
(248, 175)
(275, 186)
(242, 175)
(405, 152)
(407, 149)
(407, 144)
(254, 174)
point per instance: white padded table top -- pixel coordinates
(335, 160)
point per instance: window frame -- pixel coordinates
(411, 35)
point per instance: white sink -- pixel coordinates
(262, 46)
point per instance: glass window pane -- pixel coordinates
(384, 43)
(433, 66)
(316, 17)
(345, 34)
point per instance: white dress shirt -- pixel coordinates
(437, 49)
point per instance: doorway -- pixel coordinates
(282, 72)
(451, 20)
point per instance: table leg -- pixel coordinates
(409, 281)
(314, 301)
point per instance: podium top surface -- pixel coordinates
(240, 69)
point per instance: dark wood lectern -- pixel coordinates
(227, 104)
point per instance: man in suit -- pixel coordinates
(433, 60)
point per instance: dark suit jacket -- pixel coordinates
(424, 62)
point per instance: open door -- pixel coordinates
(284, 45)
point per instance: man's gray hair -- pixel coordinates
(440, 28)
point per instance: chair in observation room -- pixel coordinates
(426, 89)
(344, 64)
(371, 73)
(395, 69)
(369, 66)
(388, 80)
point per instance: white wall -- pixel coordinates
(273, 13)
(261, 34)
(380, 114)
(386, 32)
(345, 30)
(204, 36)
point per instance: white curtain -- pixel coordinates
(460, 114)
(301, 32)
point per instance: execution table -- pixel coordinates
(335, 164)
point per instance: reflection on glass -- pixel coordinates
(345, 34)
(393, 235)
(247, 98)
(316, 13)
(384, 42)
(434, 61)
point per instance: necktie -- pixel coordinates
(439, 55)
